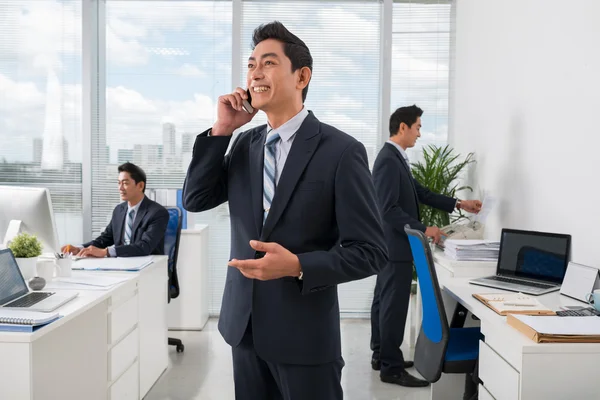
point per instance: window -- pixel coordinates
(166, 64)
(420, 66)
(40, 104)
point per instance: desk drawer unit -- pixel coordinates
(499, 378)
(127, 387)
(484, 394)
(123, 355)
(122, 315)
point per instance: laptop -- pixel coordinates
(14, 293)
(530, 262)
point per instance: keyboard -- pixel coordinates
(29, 299)
(521, 282)
(584, 312)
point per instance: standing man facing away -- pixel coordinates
(399, 195)
(137, 227)
(304, 219)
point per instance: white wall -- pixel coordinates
(526, 93)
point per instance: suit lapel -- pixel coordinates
(119, 224)
(410, 177)
(304, 146)
(257, 156)
(138, 217)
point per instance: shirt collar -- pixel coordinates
(287, 130)
(136, 207)
(400, 149)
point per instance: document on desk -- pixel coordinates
(113, 264)
(513, 303)
(547, 329)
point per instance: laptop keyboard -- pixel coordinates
(520, 282)
(29, 299)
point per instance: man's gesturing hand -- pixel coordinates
(277, 262)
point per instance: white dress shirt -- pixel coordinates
(287, 133)
(400, 149)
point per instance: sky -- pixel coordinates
(169, 61)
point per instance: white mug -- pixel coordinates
(45, 269)
(64, 266)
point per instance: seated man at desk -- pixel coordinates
(138, 224)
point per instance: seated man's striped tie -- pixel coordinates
(129, 227)
(269, 171)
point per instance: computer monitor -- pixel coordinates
(33, 207)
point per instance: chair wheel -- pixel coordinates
(180, 348)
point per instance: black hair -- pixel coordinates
(293, 48)
(408, 115)
(137, 174)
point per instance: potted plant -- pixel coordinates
(26, 249)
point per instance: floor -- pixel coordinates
(204, 371)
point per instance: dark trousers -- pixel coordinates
(388, 315)
(257, 379)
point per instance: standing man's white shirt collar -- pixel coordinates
(287, 133)
(400, 149)
(287, 130)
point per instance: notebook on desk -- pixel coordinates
(24, 321)
(513, 303)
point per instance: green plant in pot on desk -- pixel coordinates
(26, 249)
(439, 172)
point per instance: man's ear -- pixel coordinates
(304, 77)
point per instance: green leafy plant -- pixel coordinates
(440, 172)
(25, 246)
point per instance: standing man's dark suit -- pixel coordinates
(324, 211)
(399, 195)
(148, 233)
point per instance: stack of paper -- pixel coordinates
(24, 320)
(471, 250)
(113, 264)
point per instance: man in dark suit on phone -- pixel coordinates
(137, 227)
(399, 195)
(304, 219)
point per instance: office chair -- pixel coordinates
(172, 249)
(441, 348)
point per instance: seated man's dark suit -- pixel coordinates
(285, 333)
(148, 233)
(399, 195)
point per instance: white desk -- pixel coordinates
(109, 345)
(513, 367)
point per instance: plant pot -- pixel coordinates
(27, 267)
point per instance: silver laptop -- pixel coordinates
(15, 294)
(530, 262)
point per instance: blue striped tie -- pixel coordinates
(129, 226)
(270, 169)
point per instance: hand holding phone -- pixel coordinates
(233, 111)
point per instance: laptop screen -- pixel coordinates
(536, 255)
(12, 284)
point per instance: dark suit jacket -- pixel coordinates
(399, 195)
(324, 211)
(149, 228)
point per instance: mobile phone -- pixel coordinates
(246, 104)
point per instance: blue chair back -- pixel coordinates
(172, 236)
(430, 350)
